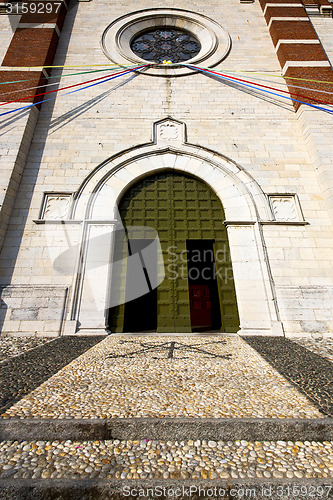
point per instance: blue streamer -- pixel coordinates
(108, 79)
(256, 88)
(77, 90)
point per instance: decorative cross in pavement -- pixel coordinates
(170, 348)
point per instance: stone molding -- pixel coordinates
(55, 206)
(286, 207)
(244, 202)
(215, 41)
(240, 194)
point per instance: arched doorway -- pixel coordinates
(198, 292)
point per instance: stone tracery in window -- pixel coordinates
(165, 43)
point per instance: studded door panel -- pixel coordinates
(180, 207)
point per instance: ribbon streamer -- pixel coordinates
(54, 97)
(240, 82)
(68, 87)
(63, 75)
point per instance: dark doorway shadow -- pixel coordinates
(202, 283)
(141, 313)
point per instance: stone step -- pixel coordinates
(98, 489)
(112, 468)
(255, 429)
(152, 459)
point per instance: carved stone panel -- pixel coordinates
(169, 131)
(56, 206)
(285, 208)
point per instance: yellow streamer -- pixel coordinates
(177, 64)
(78, 66)
(265, 74)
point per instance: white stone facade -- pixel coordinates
(270, 166)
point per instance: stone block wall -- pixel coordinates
(33, 310)
(30, 41)
(285, 152)
(306, 310)
(323, 28)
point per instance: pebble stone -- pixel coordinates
(21, 374)
(226, 460)
(310, 372)
(318, 345)
(14, 346)
(208, 376)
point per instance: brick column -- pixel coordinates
(297, 46)
(33, 44)
(301, 55)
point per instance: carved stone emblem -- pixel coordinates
(168, 131)
(56, 207)
(284, 208)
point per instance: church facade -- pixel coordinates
(187, 188)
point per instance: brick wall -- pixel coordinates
(30, 47)
(300, 58)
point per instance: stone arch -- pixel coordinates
(240, 194)
(244, 202)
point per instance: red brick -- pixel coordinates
(302, 74)
(324, 3)
(292, 30)
(300, 52)
(7, 91)
(284, 12)
(31, 47)
(264, 2)
(41, 18)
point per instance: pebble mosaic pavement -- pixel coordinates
(321, 346)
(185, 376)
(20, 375)
(166, 460)
(310, 372)
(10, 346)
(204, 376)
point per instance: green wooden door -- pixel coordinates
(180, 208)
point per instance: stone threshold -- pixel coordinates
(224, 429)
(93, 489)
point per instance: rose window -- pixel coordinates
(158, 45)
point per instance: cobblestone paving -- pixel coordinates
(171, 459)
(127, 376)
(14, 346)
(21, 374)
(323, 346)
(311, 373)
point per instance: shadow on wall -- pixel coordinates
(13, 238)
